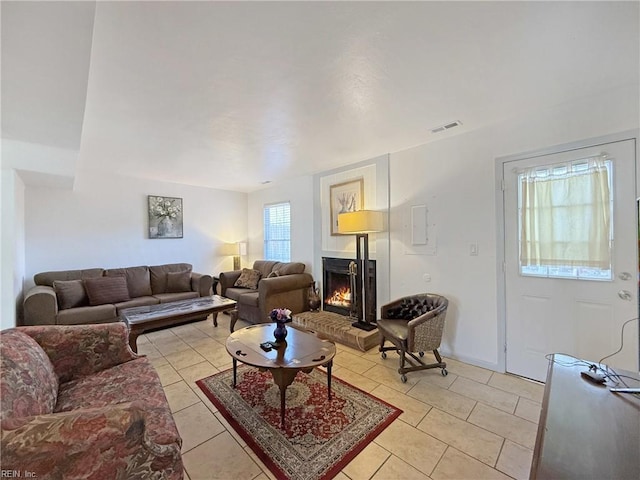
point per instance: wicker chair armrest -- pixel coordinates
(424, 333)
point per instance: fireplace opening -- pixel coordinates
(337, 296)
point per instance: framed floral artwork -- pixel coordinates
(165, 217)
(345, 197)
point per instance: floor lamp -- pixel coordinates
(360, 223)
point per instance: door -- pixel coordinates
(572, 310)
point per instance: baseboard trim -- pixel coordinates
(472, 361)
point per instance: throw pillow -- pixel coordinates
(273, 274)
(248, 279)
(70, 294)
(106, 290)
(138, 279)
(178, 282)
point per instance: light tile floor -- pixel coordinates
(471, 424)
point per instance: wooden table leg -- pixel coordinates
(283, 395)
(329, 365)
(214, 317)
(235, 371)
(233, 318)
(283, 377)
(133, 340)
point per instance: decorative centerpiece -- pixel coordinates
(281, 316)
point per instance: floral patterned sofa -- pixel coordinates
(77, 403)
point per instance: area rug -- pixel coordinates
(320, 437)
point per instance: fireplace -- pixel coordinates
(336, 286)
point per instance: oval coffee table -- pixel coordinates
(301, 352)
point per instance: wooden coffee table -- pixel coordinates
(301, 352)
(141, 319)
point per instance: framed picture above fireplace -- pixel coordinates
(345, 197)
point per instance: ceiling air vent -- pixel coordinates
(442, 128)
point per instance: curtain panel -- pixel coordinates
(565, 215)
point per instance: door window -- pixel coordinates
(565, 214)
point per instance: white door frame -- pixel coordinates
(500, 228)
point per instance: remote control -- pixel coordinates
(593, 376)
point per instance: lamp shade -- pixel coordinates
(228, 249)
(361, 221)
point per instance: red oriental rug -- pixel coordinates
(320, 436)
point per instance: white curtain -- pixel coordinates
(565, 215)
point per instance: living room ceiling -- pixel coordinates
(233, 94)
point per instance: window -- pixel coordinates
(277, 232)
(565, 217)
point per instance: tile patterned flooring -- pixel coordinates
(472, 424)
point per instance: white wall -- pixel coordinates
(102, 222)
(455, 178)
(12, 256)
(299, 194)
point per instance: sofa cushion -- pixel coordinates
(174, 297)
(105, 290)
(28, 381)
(289, 268)
(70, 294)
(159, 275)
(178, 282)
(234, 292)
(138, 279)
(249, 299)
(265, 267)
(123, 383)
(249, 278)
(47, 278)
(137, 302)
(81, 315)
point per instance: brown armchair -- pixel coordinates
(414, 324)
(279, 285)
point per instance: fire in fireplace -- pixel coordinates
(336, 292)
(339, 297)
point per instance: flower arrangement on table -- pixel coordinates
(280, 315)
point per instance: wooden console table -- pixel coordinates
(586, 431)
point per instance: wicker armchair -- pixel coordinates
(414, 324)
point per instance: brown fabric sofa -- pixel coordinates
(280, 285)
(77, 403)
(97, 295)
